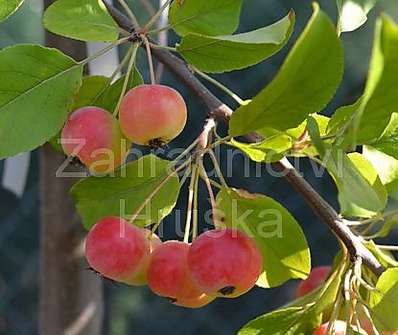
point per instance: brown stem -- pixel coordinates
(218, 111)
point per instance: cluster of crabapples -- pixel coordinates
(148, 115)
(218, 263)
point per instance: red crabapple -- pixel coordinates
(93, 135)
(339, 329)
(117, 249)
(224, 263)
(198, 302)
(316, 278)
(168, 274)
(141, 277)
(152, 114)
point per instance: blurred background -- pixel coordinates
(137, 310)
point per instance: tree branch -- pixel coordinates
(218, 111)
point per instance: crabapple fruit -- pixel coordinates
(316, 278)
(339, 329)
(224, 263)
(93, 135)
(152, 114)
(198, 302)
(141, 277)
(168, 274)
(117, 249)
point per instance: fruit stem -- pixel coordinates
(104, 50)
(335, 314)
(185, 152)
(221, 86)
(217, 168)
(206, 179)
(130, 14)
(189, 205)
(186, 175)
(195, 208)
(127, 79)
(150, 60)
(122, 64)
(113, 75)
(215, 184)
(156, 191)
(154, 18)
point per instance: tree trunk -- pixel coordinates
(71, 301)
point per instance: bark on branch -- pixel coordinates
(221, 112)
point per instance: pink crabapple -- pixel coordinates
(93, 135)
(118, 250)
(339, 329)
(168, 275)
(316, 278)
(197, 302)
(152, 114)
(141, 277)
(225, 263)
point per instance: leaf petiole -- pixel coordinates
(221, 86)
(104, 50)
(128, 74)
(156, 191)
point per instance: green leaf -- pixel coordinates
(300, 318)
(110, 97)
(384, 301)
(279, 322)
(92, 87)
(340, 122)
(385, 258)
(98, 91)
(205, 17)
(270, 150)
(36, 92)
(353, 13)
(321, 120)
(277, 233)
(85, 20)
(315, 134)
(304, 85)
(369, 117)
(385, 165)
(9, 7)
(233, 52)
(125, 192)
(300, 135)
(361, 193)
